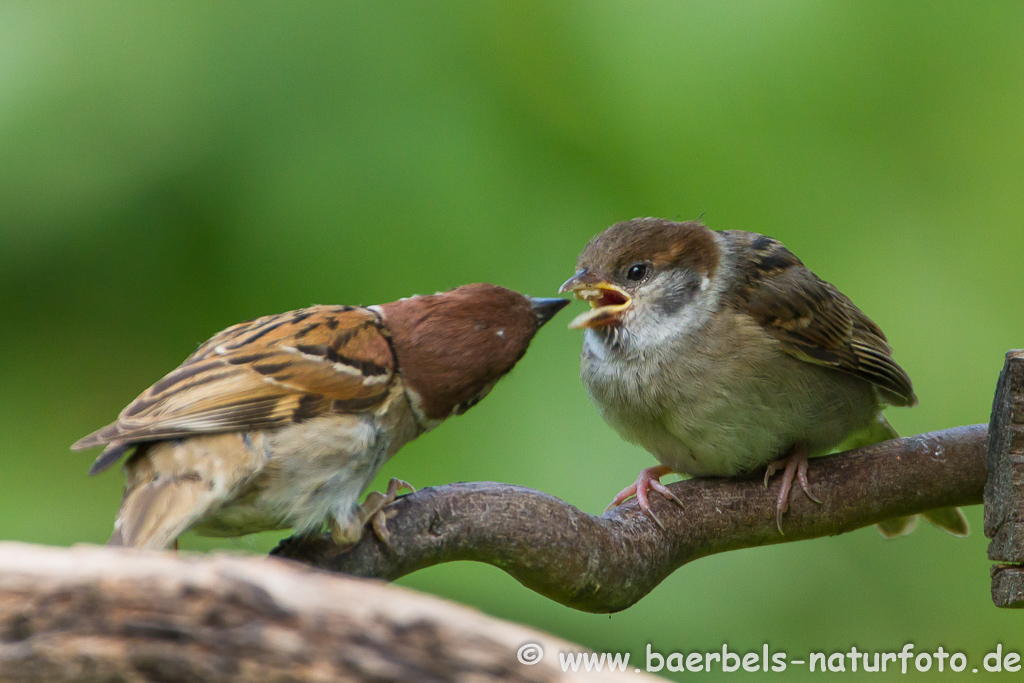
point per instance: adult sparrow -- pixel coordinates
(283, 421)
(721, 353)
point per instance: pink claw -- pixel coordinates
(795, 468)
(647, 480)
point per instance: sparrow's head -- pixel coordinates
(453, 347)
(646, 280)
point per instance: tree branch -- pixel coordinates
(607, 563)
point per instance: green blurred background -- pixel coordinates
(167, 170)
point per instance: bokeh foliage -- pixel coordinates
(168, 169)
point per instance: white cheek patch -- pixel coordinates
(651, 328)
(659, 329)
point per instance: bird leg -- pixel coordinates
(795, 467)
(372, 511)
(648, 479)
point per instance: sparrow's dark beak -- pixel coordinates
(582, 279)
(545, 309)
(608, 301)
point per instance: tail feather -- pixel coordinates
(897, 526)
(109, 437)
(116, 539)
(156, 512)
(950, 520)
(173, 484)
(110, 455)
(97, 438)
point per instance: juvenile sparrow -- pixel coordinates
(283, 421)
(721, 353)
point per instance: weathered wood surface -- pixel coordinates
(91, 614)
(1004, 493)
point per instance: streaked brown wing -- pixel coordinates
(815, 321)
(262, 374)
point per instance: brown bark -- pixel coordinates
(103, 614)
(607, 563)
(91, 614)
(1004, 494)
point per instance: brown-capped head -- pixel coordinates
(454, 346)
(637, 274)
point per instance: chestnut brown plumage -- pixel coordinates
(453, 347)
(284, 420)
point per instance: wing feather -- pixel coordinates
(261, 374)
(813, 320)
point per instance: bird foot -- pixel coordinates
(794, 466)
(648, 479)
(371, 511)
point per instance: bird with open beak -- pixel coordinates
(283, 421)
(721, 353)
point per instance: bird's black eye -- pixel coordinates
(637, 272)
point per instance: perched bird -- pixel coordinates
(283, 421)
(721, 353)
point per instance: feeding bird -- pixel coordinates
(283, 421)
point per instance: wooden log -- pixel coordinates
(92, 614)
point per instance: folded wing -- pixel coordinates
(817, 323)
(258, 375)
